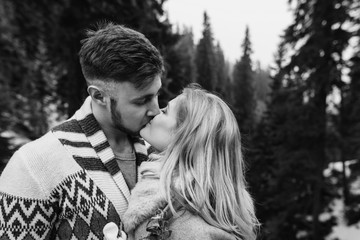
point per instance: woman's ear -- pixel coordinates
(97, 94)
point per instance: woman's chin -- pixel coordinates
(143, 134)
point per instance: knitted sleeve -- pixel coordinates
(25, 211)
(28, 206)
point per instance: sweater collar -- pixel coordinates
(97, 138)
(89, 128)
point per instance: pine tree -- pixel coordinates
(181, 60)
(205, 57)
(243, 91)
(222, 72)
(318, 40)
(351, 139)
(262, 82)
(25, 92)
(278, 165)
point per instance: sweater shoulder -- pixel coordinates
(37, 167)
(41, 146)
(44, 151)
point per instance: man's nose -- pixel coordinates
(153, 108)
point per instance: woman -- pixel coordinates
(200, 191)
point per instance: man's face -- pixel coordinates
(131, 109)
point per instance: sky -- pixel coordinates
(266, 19)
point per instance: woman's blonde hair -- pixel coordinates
(204, 167)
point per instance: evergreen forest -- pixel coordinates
(299, 118)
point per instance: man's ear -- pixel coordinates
(97, 94)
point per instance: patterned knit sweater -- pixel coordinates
(64, 185)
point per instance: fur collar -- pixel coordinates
(145, 199)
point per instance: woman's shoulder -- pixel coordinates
(191, 226)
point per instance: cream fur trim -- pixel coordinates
(145, 199)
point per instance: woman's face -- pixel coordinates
(159, 130)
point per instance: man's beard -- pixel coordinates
(117, 119)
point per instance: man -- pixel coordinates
(75, 179)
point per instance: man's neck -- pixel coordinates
(121, 146)
(118, 140)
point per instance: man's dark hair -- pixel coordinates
(114, 53)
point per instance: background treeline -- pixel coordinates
(300, 119)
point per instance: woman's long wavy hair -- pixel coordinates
(204, 167)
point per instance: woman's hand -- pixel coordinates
(111, 231)
(151, 169)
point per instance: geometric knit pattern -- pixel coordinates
(80, 205)
(77, 209)
(23, 218)
(84, 210)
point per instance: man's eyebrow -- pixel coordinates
(146, 96)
